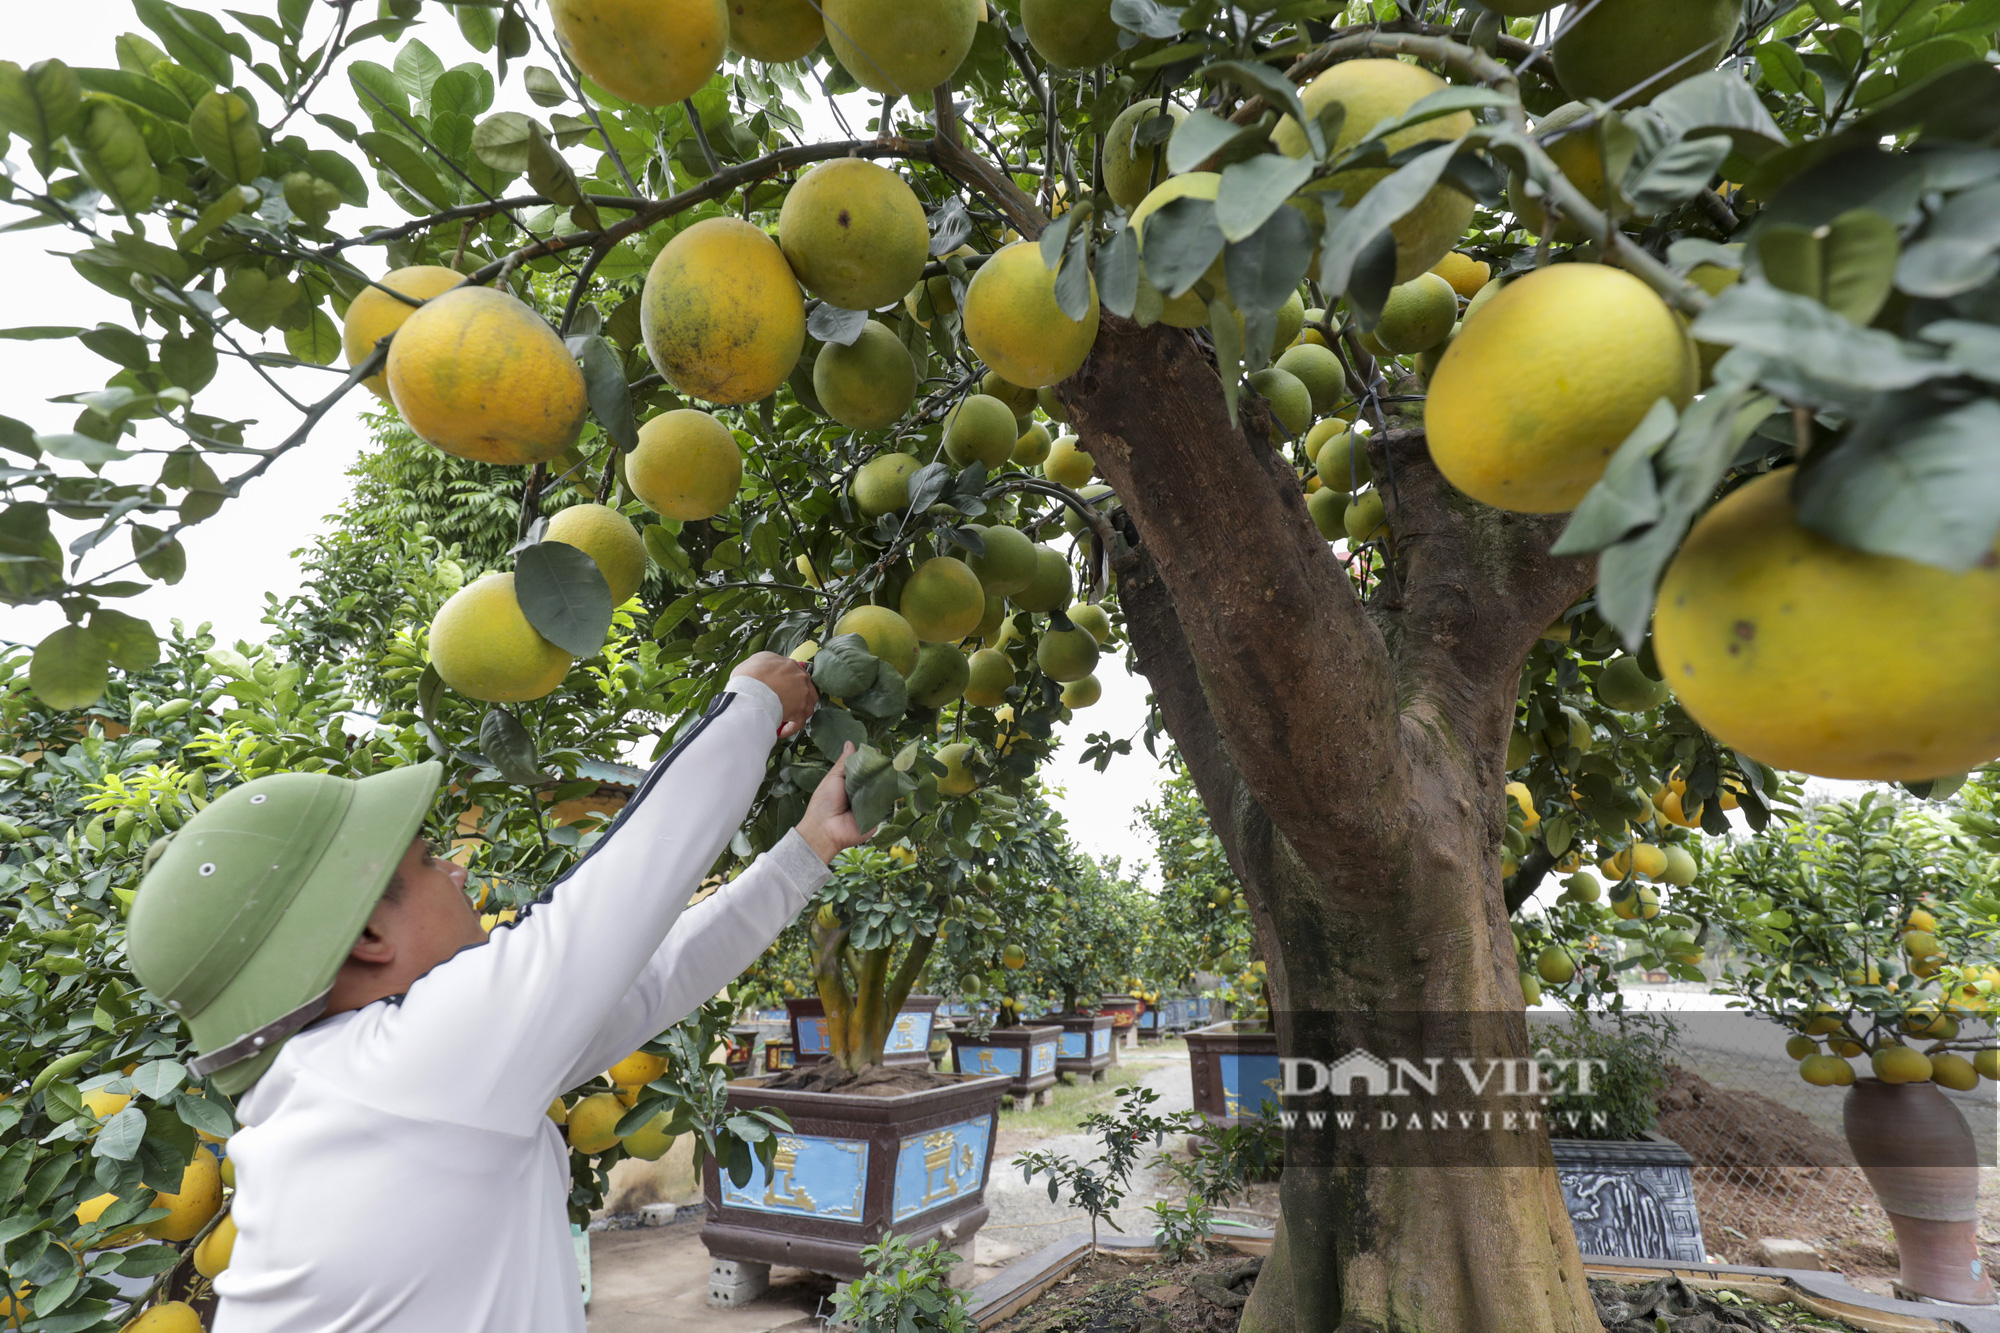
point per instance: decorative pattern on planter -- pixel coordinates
(809, 1176)
(1630, 1199)
(937, 1167)
(1072, 1046)
(1249, 1082)
(990, 1060)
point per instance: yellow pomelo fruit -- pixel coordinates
(1953, 1071)
(93, 1208)
(1365, 517)
(1641, 904)
(1328, 509)
(166, 1317)
(558, 1112)
(1071, 34)
(1465, 274)
(1825, 1018)
(1067, 463)
(687, 465)
(1008, 563)
(1535, 395)
(1190, 310)
(1921, 945)
(1715, 280)
(1013, 958)
(1648, 860)
(869, 384)
(1418, 315)
(1579, 155)
(650, 1142)
(1092, 618)
(723, 317)
(607, 537)
(943, 600)
(1014, 324)
(1809, 655)
(1289, 399)
(1918, 919)
(775, 31)
(889, 636)
(482, 376)
(882, 484)
(1319, 370)
(989, 673)
(1020, 401)
(638, 1069)
(1631, 51)
(1681, 869)
(1555, 965)
(190, 1207)
(941, 675)
(1901, 1064)
(229, 1172)
(1082, 692)
(1129, 165)
(1032, 449)
(854, 233)
(1524, 798)
(956, 780)
(484, 647)
(1050, 588)
(982, 429)
(591, 1122)
(374, 314)
(1987, 1063)
(1818, 1070)
(104, 1104)
(1067, 654)
(653, 52)
(1373, 91)
(893, 46)
(1800, 1047)
(213, 1254)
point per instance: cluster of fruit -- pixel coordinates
(590, 1121)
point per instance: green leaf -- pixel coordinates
(1974, 347)
(610, 392)
(1178, 242)
(887, 697)
(564, 596)
(167, 562)
(543, 87)
(227, 205)
(119, 1138)
(225, 133)
(406, 164)
(1849, 264)
(42, 104)
(1350, 232)
(1445, 102)
(552, 178)
(1275, 88)
(40, 332)
(843, 666)
(1782, 69)
(127, 640)
(1626, 498)
(509, 749)
(873, 786)
(1941, 267)
(1204, 135)
(1265, 268)
(79, 448)
(1118, 273)
(479, 25)
(318, 341)
(113, 154)
(203, 1114)
(418, 69)
(194, 39)
(69, 668)
(1820, 355)
(1913, 478)
(377, 89)
(1254, 190)
(1678, 173)
(501, 141)
(833, 729)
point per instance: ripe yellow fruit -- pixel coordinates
(893, 46)
(1648, 860)
(1189, 310)
(103, 1104)
(1014, 324)
(989, 673)
(1071, 34)
(1050, 588)
(1067, 654)
(1919, 919)
(638, 1069)
(1465, 274)
(943, 600)
(480, 375)
(1008, 563)
(1953, 1071)
(1579, 155)
(653, 52)
(1534, 396)
(1524, 798)
(1715, 280)
(957, 779)
(1987, 1063)
(1818, 1070)
(1317, 368)
(854, 233)
(166, 1317)
(1032, 449)
(374, 314)
(869, 384)
(1901, 1064)
(1418, 315)
(940, 676)
(775, 31)
(1128, 165)
(723, 317)
(981, 429)
(592, 1122)
(484, 647)
(1631, 51)
(687, 465)
(889, 636)
(1013, 958)
(1897, 655)
(213, 1254)
(1082, 693)
(607, 537)
(1642, 904)
(558, 1112)
(1373, 91)
(650, 1142)
(1067, 463)
(190, 1207)
(1092, 618)
(1824, 1019)
(1800, 1047)
(882, 484)
(1555, 965)
(1681, 869)
(1289, 399)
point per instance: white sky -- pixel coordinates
(245, 551)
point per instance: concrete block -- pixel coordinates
(658, 1214)
(1780, 1252)
(734, 1282)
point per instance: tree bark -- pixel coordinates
(1351, 758)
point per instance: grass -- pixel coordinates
(1074, 1101)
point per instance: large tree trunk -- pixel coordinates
(1351, 757)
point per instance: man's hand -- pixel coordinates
(790, 681)
(829, 827)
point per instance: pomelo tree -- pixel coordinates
(1733, 315)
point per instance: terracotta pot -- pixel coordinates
(1918, 1154)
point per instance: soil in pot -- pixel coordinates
(875, 1081)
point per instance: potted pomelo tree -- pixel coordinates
(1081, 952)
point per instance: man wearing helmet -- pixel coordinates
(393, 1064)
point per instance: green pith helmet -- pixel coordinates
(247, 913)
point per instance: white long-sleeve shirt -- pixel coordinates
(397, 1171)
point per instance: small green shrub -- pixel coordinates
(1628, 1072)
